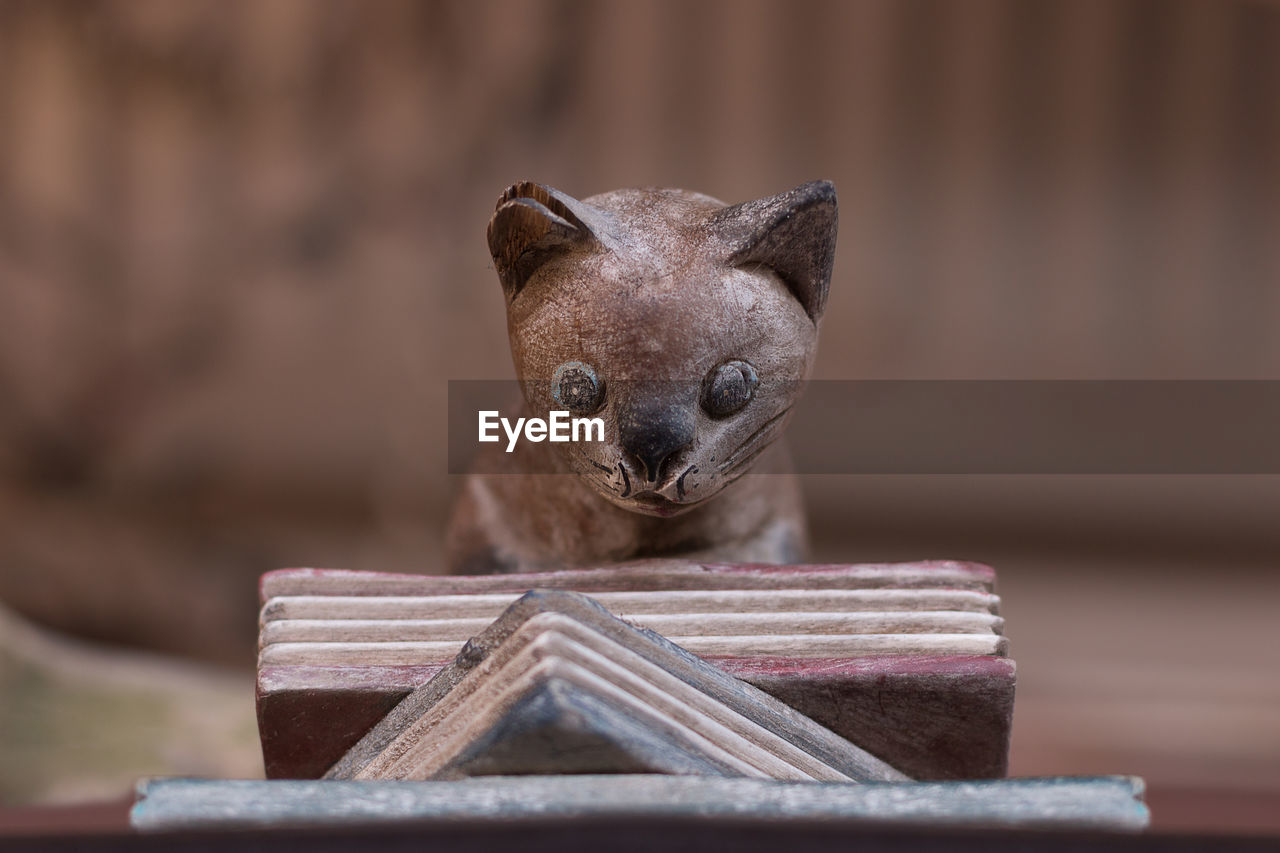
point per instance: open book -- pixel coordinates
(905, 661)
(557, 685)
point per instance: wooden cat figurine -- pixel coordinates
(688, 326)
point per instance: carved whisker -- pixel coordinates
(626, 481)
(744, 464)
(607, 479)
(692, 469)
(732, 459)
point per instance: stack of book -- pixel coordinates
(906, 663)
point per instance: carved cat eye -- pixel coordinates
(728, 388)
(576, 387)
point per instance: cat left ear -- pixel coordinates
(532, 224)
(793, 233)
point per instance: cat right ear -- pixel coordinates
(532, 224)
(793, 233)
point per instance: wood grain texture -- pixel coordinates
(563, 719)
(539, 687)
(686, 624)
(932, 717)
(935, 716)
(639, 575)
(816, 599)
(783, 645)
(1106, 802)
(651, 669)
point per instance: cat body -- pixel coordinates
(688, 326)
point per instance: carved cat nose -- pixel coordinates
(652, 434)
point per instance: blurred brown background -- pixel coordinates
(241, 253)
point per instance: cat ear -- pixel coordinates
(532, 224)
(793, 233)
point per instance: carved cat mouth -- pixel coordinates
(624, 489)
(652, 503)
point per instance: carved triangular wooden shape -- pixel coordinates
(560, 727)
(649, 701)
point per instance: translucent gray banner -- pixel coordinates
(983, 426)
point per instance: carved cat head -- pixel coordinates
(687, 325)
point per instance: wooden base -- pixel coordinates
(1107, 802)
